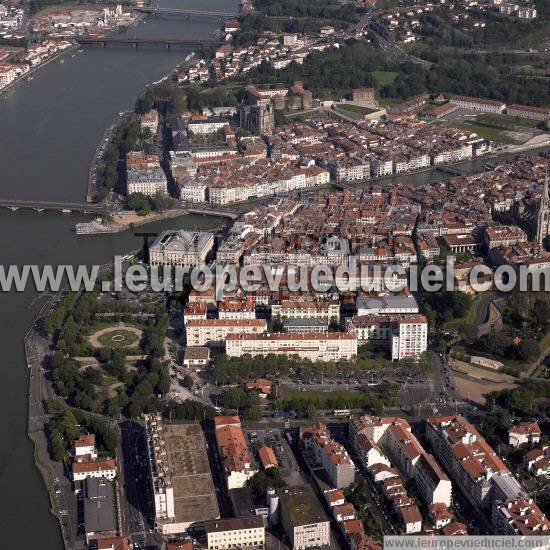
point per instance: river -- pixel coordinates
(49, 128)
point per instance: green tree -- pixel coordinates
(140, 203)
(188, 382)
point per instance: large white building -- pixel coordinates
(333, 346)
(215, 332)
(206, 125)
(181, 248)
(410, 338)
(245, 532)
(105, 468)
(405, 335)
(479, 104)
(149, 182)
(306, 309)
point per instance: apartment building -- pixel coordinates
(8, 74)
(333, 346)
(405, 335)
(394, 434)
(432, 483)
(409, 338)
(150, 120)
(472, 464)
(215, 332)
(194, 311)
(237, 308)
(330, 455)
(148, 182)
(369, 452)
(411, 519)
(236, 459)
(84, 448)
(303, 518)
(181, 248)
(245, 532)
(306, 309)
(519, 517)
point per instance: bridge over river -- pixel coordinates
(90, 208)
(171, 12)
(147, 42)
(47, 206)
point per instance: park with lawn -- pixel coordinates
(122, 336)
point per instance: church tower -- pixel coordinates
(543, 214)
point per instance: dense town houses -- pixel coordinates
(302, 155)
(520, 516)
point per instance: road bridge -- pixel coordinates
(143, 42)
(47, 206)
(170, 12)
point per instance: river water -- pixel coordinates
(49, 128)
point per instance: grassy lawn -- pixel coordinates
(381, 78)
(487, 132)
(118, 338)
(506, 122)
(356, 109)
(298, 115)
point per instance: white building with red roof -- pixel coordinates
(524, 433)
